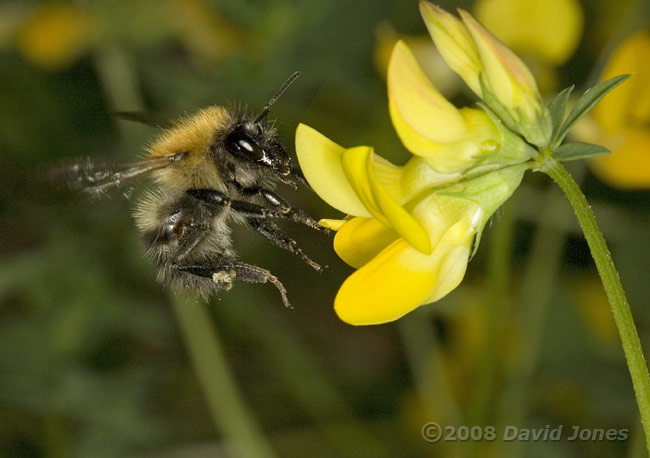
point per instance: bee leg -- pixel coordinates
(282, 240)
(284, 207)
(189, 240)
(226, 271)
(217, 201)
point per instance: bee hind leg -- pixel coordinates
(280, 239)
(223, 274)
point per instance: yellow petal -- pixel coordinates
(416, 178)
(428, 124)
(454, 43)
(398, 218)
(361, 239)
(354, 163)
(506, 73)
(401, 278)
(548, 29)
(392, 284)
(512, 83)
(450, 158)
(398, 280)
(454, 246)
(358, 167)
(320, 161)
(420, 104)
(334, 224)
(425, 52)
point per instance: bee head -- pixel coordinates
(248, 141)
(254, 142)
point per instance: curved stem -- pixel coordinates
(613, 288)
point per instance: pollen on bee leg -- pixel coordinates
(224, 276)
(283, 292)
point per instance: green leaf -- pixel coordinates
(577, 150)
(590, 98)
(557, 108)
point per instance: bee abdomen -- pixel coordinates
(182, 231)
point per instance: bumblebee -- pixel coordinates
(209, 170)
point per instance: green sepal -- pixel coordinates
(577, 150)
(495, 106)
(590, 98)
(489, 192)
(557, 108)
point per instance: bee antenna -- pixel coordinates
(277, 95)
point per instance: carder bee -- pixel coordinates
(209, 170)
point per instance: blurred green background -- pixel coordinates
(98, 360)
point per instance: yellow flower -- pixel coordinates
(451, 141)
(491, 70)
(203, 31)
(621, 121)
(411, 231)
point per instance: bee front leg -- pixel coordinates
(223, 272)
(280, 239)
(217, 201)
(283, 206)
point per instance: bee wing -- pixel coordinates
(98, 178)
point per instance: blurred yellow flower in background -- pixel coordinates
(546, 29)
(593, 307)
(204, 31)
(621, 121)
(54, 36)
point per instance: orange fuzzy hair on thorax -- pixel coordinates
(192, 137)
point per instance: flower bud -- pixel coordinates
(491, 70)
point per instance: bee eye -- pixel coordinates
(239, 143)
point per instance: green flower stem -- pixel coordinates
(231, 417)
(613, 288)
